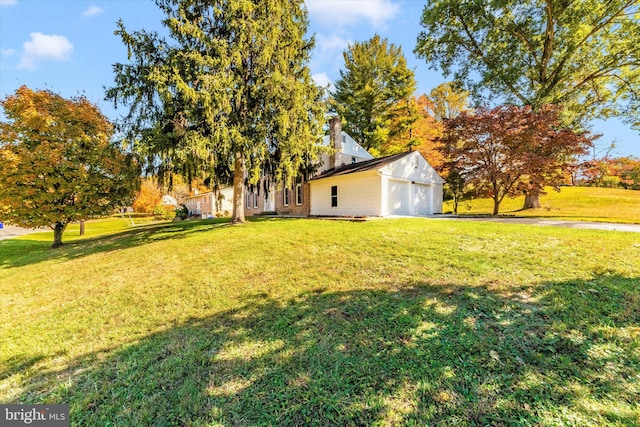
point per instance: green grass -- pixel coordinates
(311, 322)
(571, 203)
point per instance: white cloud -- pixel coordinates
(329, 48)
(8, 52)
(8, 2)
(344, 13)
(43, 47)
(332, 43)
(93, 10)
(322, 79)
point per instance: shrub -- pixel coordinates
(182, 212)
(161, 212)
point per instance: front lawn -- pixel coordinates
(571, 203)
(312, 322)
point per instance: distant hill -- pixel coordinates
(571, 203)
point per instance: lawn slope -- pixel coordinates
(312, 322)
(571, 203)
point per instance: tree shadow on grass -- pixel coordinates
(561, 353)
(20, 252)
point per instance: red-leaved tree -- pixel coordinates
(509, 150)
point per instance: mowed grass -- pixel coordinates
(315, 322)
(571, 203)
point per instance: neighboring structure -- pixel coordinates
(207, 205)
(352, 182)
(168, 200)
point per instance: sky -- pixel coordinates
(69, 47)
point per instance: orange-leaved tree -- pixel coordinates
(148, 197)
(58, 163)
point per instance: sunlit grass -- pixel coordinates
(302, 322)
(571, 203)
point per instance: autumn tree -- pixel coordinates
(612, 172)
(420, 135)
(447, 101)
(581, 55)
(226, 94)
(628, 170)
(147, 197)
(373, 93)
(509, 150)
(58, 163)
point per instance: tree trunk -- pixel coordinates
(82, 227)
(58, 229)
(238, 190)
(455, 205)
(531, 201)
(496, 206)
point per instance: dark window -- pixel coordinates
(353, 160)
(285, 197)
(298, 194)
(334, 196)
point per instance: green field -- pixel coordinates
(571, 203)
(313, 322)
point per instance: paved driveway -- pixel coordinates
(9, 231)
(635, 228)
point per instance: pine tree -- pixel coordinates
(373, 92)
(229, 93)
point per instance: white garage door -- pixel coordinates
(422, 199)
(399, 197)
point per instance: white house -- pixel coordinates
(351, 182)
(402, 184)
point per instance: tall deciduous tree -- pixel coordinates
(373, 92)
(229, 91)
(447, 101)
(420, 135)
(58, 163)
(583, 55)
(508, 150)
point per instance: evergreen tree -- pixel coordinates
(374, 92)
(229, 93)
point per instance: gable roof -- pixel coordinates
(362, 166)
(349, 146)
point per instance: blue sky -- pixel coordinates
(68, 46)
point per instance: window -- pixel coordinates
(299, 194)
(248, 202)
(334, 196)
(255, 200)
(285, 197)
(353, 160)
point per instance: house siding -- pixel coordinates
(204, 206)
(293, 208)
(359, 194)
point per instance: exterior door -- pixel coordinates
(270, 201)
(399, 198)
(422, 199)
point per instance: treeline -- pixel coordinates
(618, 172)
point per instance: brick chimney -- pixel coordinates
(335, 139)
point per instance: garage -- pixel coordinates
(422, 199)
(399, 197)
